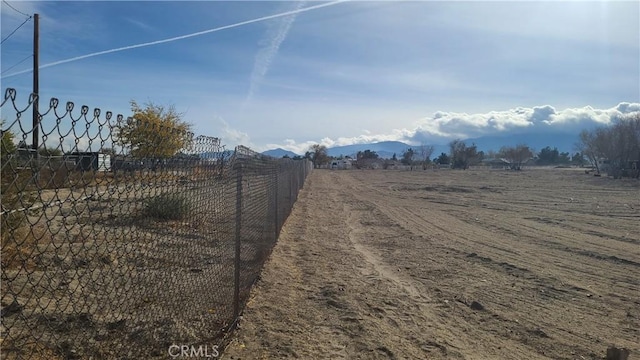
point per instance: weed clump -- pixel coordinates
(168, 207)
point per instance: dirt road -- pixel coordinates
(451, 264)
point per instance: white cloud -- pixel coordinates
(593, 21)
(444, 126)
(231, 137)
(141, 24)
(587, 114)
(625, 107)
(277, 31)
(451, 125)
(302, 147)
(609, 22)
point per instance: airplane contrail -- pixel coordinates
(264, 18)
(274, 38)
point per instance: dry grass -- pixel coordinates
(170, 206)
(68, 178)
(36, 351)
(20, 244)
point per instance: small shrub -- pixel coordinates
(168, 207)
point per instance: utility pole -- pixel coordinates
(36, 87)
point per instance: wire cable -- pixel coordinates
(199, 33)
(20, 62)
(9, 5)
(14, 31)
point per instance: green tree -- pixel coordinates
(564, 158)
(443, 159)
(425, 152)
(16, 192)
(516, 155)
(49, 152)
(491, 154)
(548, 156)
(318, 154)
(463, 156)
(7, 146)
(577, 159)
(408, 156)
(587, 146)
(617, 145)
(109, 151)
(367, 154)
(153, 131)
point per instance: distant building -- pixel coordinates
(343, 164)
(25, 157)
(90, 161)
(497, 163)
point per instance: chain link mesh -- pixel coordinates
(107, 255)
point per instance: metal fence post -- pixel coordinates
(276, 201)
(291, 200)
(236, 294)
(300, 176)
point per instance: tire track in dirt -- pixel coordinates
(586, 312)
(367, 270)
(558, 241)
(453, 312)
(356, 233)
(406, 308)
(443, 318)
(473, 326)
(519, 229)
(320, 298)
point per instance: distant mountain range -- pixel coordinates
(278, 153)
(386, 149)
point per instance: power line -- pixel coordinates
(199, 33)
(16, 29)
(20, 62)
(9, 5)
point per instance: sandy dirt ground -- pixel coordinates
(476, 264)
(104, 280)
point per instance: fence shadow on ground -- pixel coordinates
(105, 255)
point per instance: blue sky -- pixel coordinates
(419, 71)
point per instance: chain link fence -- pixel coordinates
(110, 255)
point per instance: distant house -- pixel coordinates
(496, 163)
(501, 163)
(24, 157)
(342, 164)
